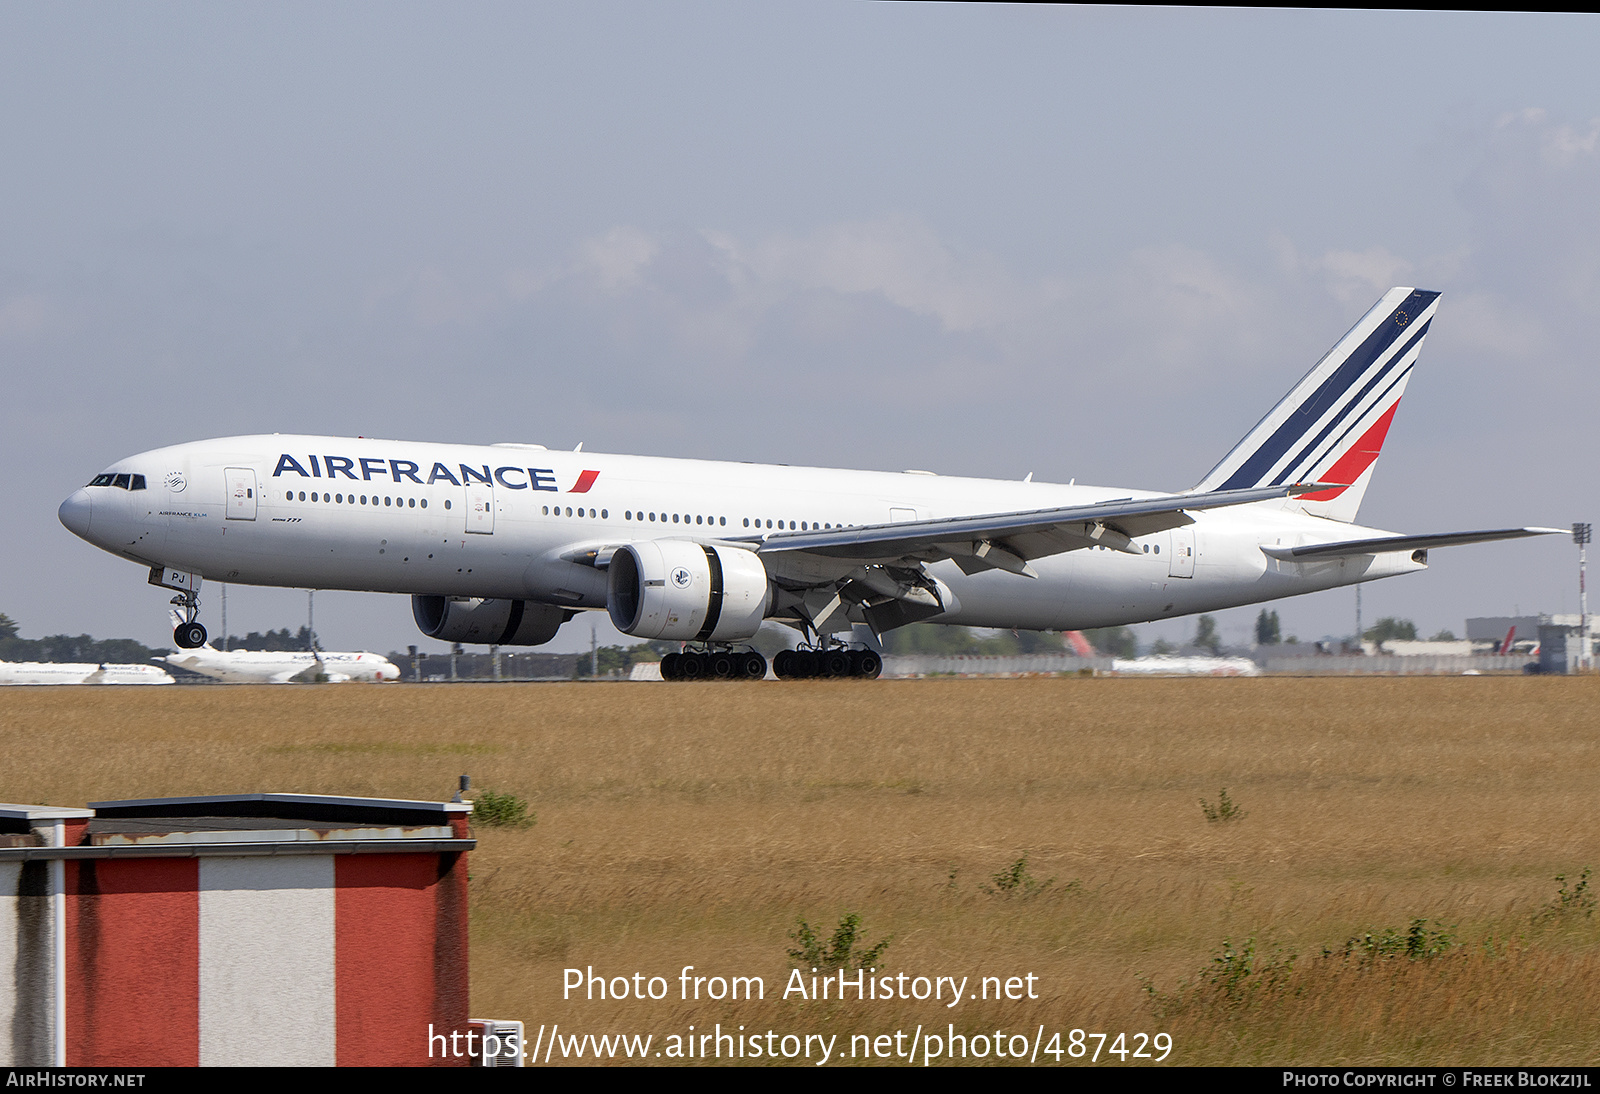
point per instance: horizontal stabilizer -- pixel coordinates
(1313, 551)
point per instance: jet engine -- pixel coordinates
(686, 591)
(489, 622)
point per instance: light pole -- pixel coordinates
(1581, 534)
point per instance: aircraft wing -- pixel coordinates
(307, 675)
(1345, 548)
(1006, 541)
(875, 573)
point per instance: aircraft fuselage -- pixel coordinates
(515, 522)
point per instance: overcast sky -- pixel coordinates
(1087, 243)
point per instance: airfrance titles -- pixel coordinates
(366, 468)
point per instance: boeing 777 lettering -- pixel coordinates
(502, 544)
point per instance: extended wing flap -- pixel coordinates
(1381, 544)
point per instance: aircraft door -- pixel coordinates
(241, 493)
(1180, 552)
(480, 508)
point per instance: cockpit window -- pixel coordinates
(121, 482)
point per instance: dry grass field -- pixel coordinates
(694, 824)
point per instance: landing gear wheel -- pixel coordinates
(189, 636)
(691, 666)
(753, 667)
(865, 664)
(724, 665)
(834, 663)
(669, 666)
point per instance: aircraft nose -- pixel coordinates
(75, 513)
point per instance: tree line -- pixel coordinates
(84, 648)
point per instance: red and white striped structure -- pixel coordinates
(248, 929)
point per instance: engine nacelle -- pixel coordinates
(685, 591)
(488, 622)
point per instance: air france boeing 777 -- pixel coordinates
(504, 543)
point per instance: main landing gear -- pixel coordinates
(831, 662)
(189, 634)
(713, 665)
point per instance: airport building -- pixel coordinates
(1560, 638)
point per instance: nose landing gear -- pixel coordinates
(188, 634)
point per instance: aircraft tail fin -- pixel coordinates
(1332, 424)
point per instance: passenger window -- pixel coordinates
(447, 503)
(424, 503)
(339, 498)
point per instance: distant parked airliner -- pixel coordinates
(253, 667)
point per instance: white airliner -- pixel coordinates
(53, 672)
(502, 544)
(253, 667)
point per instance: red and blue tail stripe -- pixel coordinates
(1332, 425)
